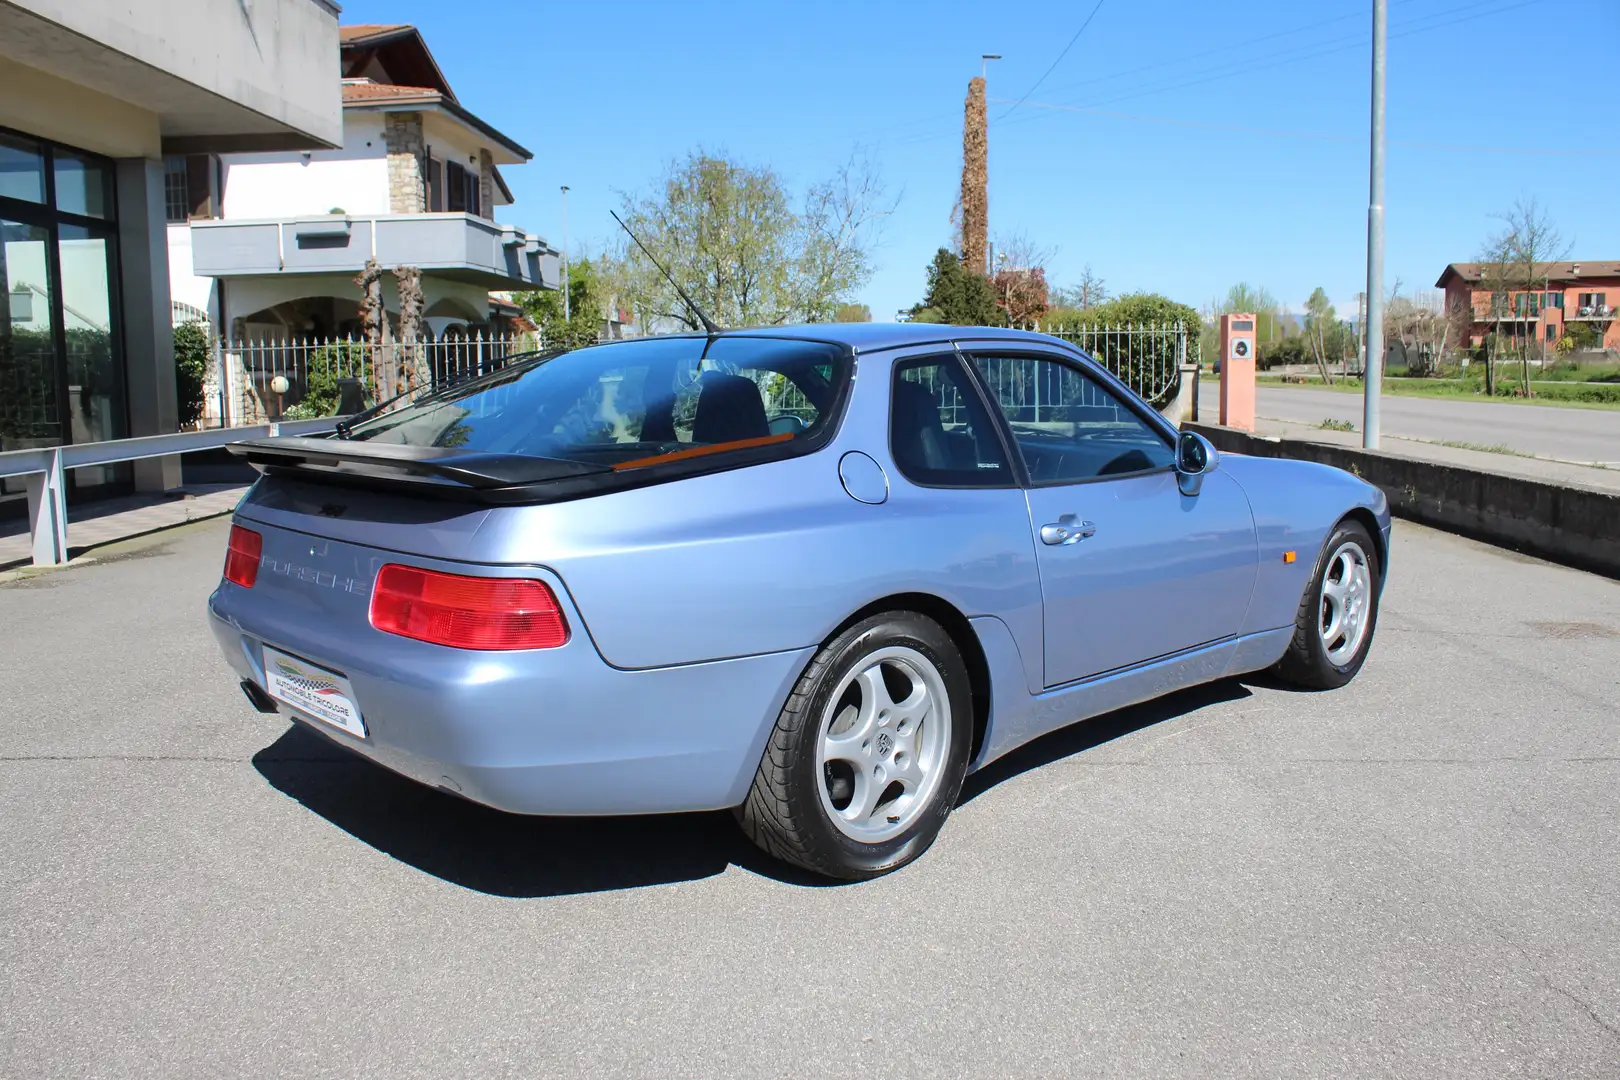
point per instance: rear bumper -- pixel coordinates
(553, 732)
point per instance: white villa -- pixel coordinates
(267, 244)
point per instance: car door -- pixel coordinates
(1131, 569)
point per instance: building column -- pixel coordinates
(143, 273)
(402, 133)
(486, 184)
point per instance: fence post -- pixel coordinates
(47, 513)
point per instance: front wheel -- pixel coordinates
(1337, 614)
(868, 755)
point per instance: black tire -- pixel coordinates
(1307, 662)
(785, 812)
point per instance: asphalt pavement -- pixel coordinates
(1412, 876)
(1584, 435)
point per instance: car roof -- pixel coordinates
(869, 337)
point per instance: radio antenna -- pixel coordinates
(708, 323)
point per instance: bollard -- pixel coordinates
(1237, 371)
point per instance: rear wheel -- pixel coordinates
(1338, 613)
(868, 755)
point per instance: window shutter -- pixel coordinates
(199, 186)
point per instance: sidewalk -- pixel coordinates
(1528, 468)
(93, 525)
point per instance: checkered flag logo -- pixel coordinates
(315, 684)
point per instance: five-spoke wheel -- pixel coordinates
(886, 734)
(868, 755)
(1338, 612)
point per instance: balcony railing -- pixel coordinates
(463, 247)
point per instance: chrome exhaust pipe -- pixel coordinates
(256, 694)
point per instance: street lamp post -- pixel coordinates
(1373, 374)
(565, 289)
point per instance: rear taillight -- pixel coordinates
(242, 553)
(467, 612)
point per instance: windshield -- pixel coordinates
(635, 403)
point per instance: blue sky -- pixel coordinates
(606, 95)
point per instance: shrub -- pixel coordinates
(190, 368)
(325, 367)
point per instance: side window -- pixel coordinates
(1067, 425)
(939, 431)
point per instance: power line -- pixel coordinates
(1315, 135)
(1215, 74)
(1056, 62)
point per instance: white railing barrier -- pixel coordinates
(44, 470)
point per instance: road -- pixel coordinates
(1583, 435)
(1413, 876)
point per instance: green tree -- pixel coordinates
(1320, 320)
(586, 299)
(743, 247)
(852, 313)
(955, 295)
(190, 367)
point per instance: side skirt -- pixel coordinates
(1017, 717)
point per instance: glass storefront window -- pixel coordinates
(29, 414)
(61, 368)
(22, 169)
(83, 185)
(95, 403)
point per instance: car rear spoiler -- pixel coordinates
(473, 473)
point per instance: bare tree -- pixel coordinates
(1518, 259)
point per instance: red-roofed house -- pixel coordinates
(268, 244)
(1557, 297)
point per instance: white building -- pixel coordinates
(269, 244)
(94, 96)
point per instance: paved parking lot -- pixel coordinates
(1414, 876)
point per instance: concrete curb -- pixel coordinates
(1575, 526)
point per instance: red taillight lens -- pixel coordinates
(467, 612)
(242, 556)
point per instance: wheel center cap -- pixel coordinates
(884, 744)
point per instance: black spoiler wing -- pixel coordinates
(452, 471)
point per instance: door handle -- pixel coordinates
(1067, 529)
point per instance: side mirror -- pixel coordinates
(1195, 456)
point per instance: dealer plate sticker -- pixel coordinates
(313, 691)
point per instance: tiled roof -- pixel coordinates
(1549, 271)
(349, 35)
(366, 90)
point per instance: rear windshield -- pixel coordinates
(635, 403)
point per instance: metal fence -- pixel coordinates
(243, 377)
(254, 381)
(1147, 357)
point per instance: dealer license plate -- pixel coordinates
(313, 691)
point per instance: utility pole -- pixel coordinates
(1372, 384)
(566, 290)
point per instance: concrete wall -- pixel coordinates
(44, 105)
(283, 185)
(276, 60)
(1576, 526)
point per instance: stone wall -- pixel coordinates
(486, 184)
(402, 132)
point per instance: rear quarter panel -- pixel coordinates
(1295, 504)
(776, 556)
